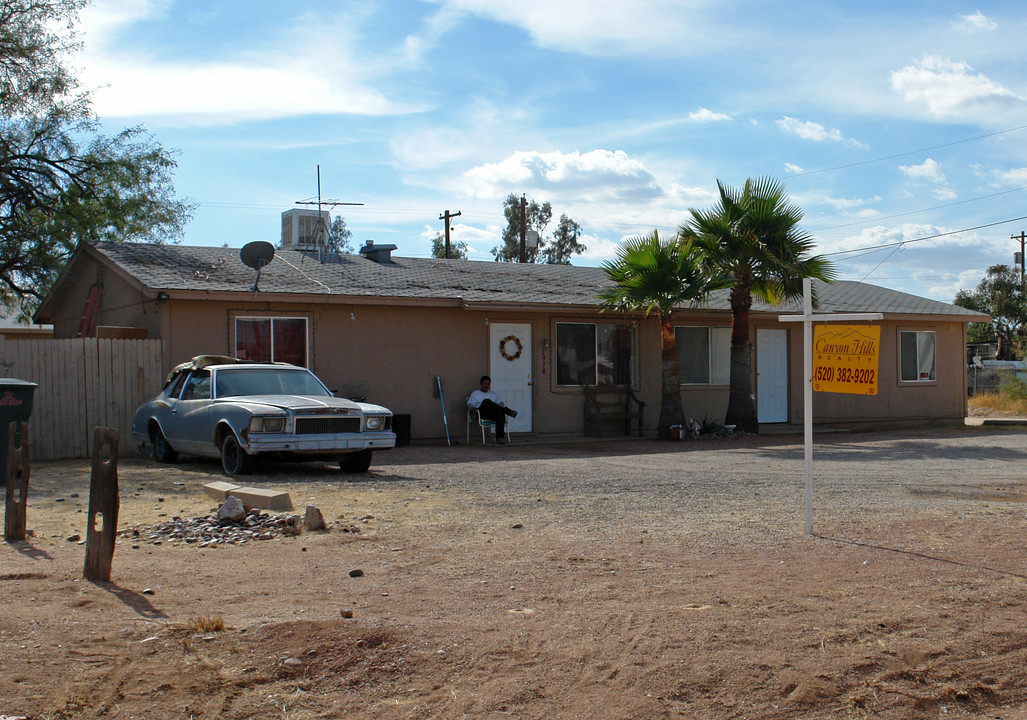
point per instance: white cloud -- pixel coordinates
(851, 203)
(705, 115)
(945, 194)
(302, 72)
(928, 170)
(951, 90)
(977, 21)
(954, 282)
(482, 131)
(228, 92)
(598, 249)
(789, 167)
(1016, 177)
(906, 232)
(591, 176)
(100, 21)
(602, 27)
(808, 130)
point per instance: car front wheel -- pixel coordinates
(357, 462)
(234, 460)
(162, 450)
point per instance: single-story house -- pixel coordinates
(383, 327)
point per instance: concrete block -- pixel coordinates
(219, 490)
(263, 499)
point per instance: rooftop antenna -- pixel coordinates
(257, 254)
(332, 204)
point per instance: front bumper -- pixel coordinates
(319, 444)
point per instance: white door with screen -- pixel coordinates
(510, 369)
(771, 375)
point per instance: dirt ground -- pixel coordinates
(615, 579)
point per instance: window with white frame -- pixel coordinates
(917, 355)
(271, 339)
(595, 354)
(704, 355)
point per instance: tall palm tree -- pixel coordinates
(653, 275)
(753, 235)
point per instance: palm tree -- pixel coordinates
(652, 275)
(753, 235)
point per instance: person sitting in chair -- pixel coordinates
(490, 407)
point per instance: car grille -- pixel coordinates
(327, 425)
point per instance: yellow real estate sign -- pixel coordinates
(845, 358)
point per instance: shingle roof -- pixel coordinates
(190, 268)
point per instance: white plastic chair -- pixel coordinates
(473, 417)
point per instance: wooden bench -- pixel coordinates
(613, 403)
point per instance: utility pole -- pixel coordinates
(446, 216)
(524, 229)
(1021, 238)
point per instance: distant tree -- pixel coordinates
(457, 250)
(564, 243)
(1001, 295)
(752, 234)
(538, 217)
(655, 276)
(61, 181)
(339, 236)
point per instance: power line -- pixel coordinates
(911, 152)
(927, 237)
(916, 212)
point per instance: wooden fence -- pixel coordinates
(83, 384)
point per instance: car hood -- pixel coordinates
(301, 403)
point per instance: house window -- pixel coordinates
(595, 354)
(917, 356)
(704, 355)
(271, 339)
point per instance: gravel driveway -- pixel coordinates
(607, 579)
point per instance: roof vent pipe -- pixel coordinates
(380, 254)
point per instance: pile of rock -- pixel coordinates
(232, 524)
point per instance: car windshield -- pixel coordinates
(232, 382)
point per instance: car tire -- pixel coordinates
(162, 450)
(234, 460)
(357, 462)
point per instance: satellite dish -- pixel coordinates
(256, 255)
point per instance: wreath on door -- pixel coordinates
(502, 347)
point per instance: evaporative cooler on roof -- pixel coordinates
(302, 231)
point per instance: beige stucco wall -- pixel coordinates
(896, 402)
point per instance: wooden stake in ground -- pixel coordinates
(17, 483)
(103, 506)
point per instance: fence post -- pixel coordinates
(17, 483)
(103, 502)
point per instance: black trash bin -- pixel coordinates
(401, 426)
(15, 406)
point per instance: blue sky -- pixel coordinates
(887, 122)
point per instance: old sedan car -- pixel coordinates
(217, 406)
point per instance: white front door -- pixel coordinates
(510, 369)
(771, 375)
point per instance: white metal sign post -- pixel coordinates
(808, 318)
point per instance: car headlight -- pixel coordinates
(374, 422)
(267, 424)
